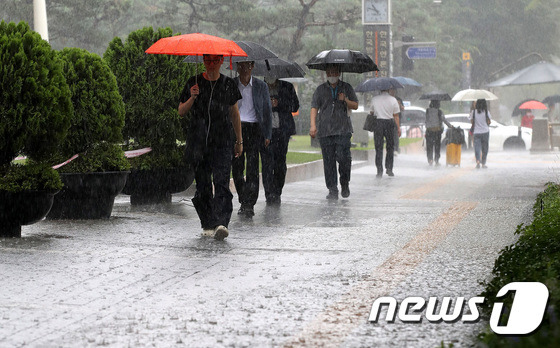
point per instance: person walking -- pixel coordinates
(396, 135)
(434, 128)
(527, 119)
(386, 108)
(330, 122)
(480, 119)
(284, 101)
(256, 124)
(210, 102)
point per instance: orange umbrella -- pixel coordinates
(532, 105)
(196, 44)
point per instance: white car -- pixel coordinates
(502, 137)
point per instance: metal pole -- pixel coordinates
(40, 18)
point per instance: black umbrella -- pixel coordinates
(552, 99)
(277, 67)
(441, 96)
(255, 52)
(347, 60)
(378, 84)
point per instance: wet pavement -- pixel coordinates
(302, 274)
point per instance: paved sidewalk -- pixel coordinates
(146, 278)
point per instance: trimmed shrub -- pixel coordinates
(35, 106)
(150, 86)
(98, 118)
(535, 257)
(31, 176)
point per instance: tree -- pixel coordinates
(98, 118)
(150, 85)
(35, 106)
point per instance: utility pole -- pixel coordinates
(40, 18)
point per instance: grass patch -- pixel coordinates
(302, 157)
(300, 143)
(535, 257)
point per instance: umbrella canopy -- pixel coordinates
(533, 105)
(517, 111)
(407, 81)
(348, 60)
(279, 68)
(441, 96)
(552, 99)
(196, 44)
(378, 84)
(473, 95)
(255, 52)
(542, 72)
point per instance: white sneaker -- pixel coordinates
(207, 232)
(220, 232)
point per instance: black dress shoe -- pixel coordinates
(333, 195)
(345, 191)
(246, 211)
(390, 173)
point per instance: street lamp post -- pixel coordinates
(40, 18)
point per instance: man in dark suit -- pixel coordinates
(256, 124)
(284, 102)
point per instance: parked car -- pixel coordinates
(413, 122)
(502, 137)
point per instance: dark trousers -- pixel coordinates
(396, 138)
(273, 180)
(433, 145)
(336, 148)
(384, 132)
(481, 147)
(253, 144)
(213, 204)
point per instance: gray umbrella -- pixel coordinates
(441, 96)
(378, 84)
(538, 73)
(551, 99)
(255, 52)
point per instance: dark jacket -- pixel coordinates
(261, 103)
(288, 102)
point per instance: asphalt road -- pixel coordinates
(304, 274)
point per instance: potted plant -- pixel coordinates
(150, 86)
(35, 110)
(97, 175)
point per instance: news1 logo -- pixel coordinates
(525, 315)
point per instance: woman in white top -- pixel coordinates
(480, 119)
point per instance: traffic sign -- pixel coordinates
(421, 52)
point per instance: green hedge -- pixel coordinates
(98, 118)
(535, 257)
(35, 105)
(150, 85)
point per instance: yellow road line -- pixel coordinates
(331, 327)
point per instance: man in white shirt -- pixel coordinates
(386, 108)
(256, 124)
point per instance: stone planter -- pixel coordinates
(156, 186)
(22, 208)
(87, 195)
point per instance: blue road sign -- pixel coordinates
(421, 52)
